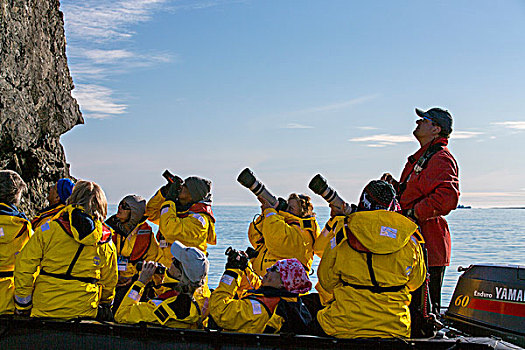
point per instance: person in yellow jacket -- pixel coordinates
(134, 240)
(176, 307)
(373, 261)
(57, 197)
(272, 306)
(76, 257)
(283, 234)
(15, 230)
(183, 212)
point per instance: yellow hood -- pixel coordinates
(82, 227)
(381, 231)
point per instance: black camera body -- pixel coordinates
(239, 259)
(172, 179)
(160, 270)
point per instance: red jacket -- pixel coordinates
(432, 193)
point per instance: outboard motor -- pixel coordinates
(490, 300)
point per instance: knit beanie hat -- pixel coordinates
(137, 205)
(64, 189)
(378, 195)
(293, 275)
(198, 187)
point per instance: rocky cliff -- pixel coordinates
(36, 105)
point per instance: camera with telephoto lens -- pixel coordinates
(160, 269)
(320, 186)
(248, 180)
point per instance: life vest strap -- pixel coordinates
(374, 289)
(63, 276)
(420, 165)
(22, 230)
(4, 274)
(67, 276)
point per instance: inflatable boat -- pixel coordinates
(486, 312)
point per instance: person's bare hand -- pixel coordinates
(148, 270)
(335, 210)
(265, 204)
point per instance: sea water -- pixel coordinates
(494, 236)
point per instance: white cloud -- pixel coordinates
(464, 134)
(383, 138)
(97, 101)
(519, 125)
(107, 56)
(297, 126)
(367, 128)
(337, 106)
(96, 62)
(103, 21)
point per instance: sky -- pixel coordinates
(291, 89)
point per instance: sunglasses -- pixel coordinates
(177, 264)
(124, 206)
(273, 268)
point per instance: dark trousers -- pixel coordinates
(436, 282)
(313, 304)
(434, 289)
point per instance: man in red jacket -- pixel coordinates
(429, 189)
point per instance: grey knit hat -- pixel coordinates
(198, 187)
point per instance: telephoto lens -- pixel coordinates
(160, 270)
(320, 186)
(248, 180)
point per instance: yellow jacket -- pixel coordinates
(388, 253)
(15, 231)
(78, 267)
(46, 215)
(140, 244)
(281, 235)
(255, 312)
(193, 229)
(177, 311)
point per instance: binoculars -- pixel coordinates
(250, 253)
(160, 269)
(320, 186)
(248, 180)
(172, 179)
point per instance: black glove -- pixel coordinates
(164, 190)
(104, 313)
(173, 191)
(283, 204)
(236, 259)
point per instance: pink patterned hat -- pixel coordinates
(294, 277)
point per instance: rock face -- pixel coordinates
(36, 105)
